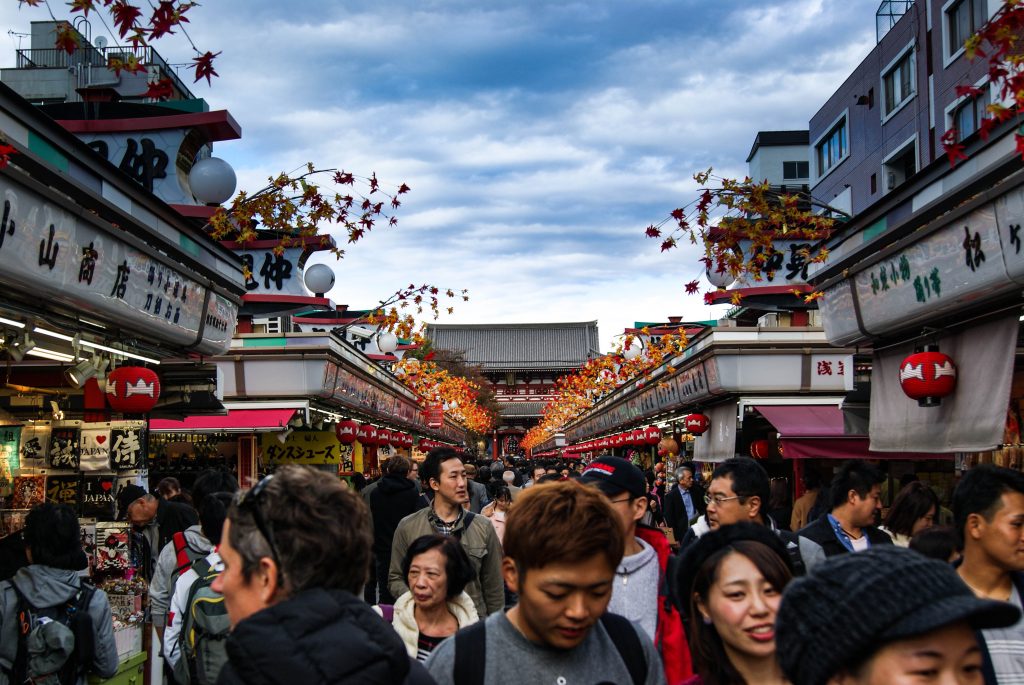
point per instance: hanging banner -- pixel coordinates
(128, 447)
(64, 444)
(95, 450)
(301, 447)
(35, 444)
(63, 489)
(9, 461)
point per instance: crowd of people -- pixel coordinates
(559, 573)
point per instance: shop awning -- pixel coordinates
(237, 420)
(817, 432)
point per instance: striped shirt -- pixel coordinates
(1006, 648)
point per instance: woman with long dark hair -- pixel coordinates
(912, 511)
(731, 583)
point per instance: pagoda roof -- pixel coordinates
(522, 409)
(513, 346)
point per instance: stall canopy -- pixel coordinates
(817, 432)
(237, 420)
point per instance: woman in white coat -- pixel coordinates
(436, 569)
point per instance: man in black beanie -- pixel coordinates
(988, 509)
(886, 616)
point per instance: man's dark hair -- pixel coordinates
(912, 503)
(398, 466)
(321, 529)
(431, 466)
(856, 475)
(213, 510)
(548, 478)
(53, 537)
(457, 566)
(749, 479)
(937, 542)
(980, 491)
(211, 481)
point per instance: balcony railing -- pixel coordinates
(52, 58)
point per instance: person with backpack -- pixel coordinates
(560, 631)
(197, 623)
(52, 621)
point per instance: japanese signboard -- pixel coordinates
(72, 260)
(301, 447)
(274, 274)
(784, 263)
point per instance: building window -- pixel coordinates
(964, 19)
(795, 170)
(898, 83)
(832, 149)
(967, 116)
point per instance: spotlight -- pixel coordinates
(19, 348)
(78, 374)
(282, 437)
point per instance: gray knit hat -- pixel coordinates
(851, 605)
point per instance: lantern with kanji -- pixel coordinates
(760, 449)
(697, 424)
(927, 376)
(346, 431)
(132, 389)
(652, 434)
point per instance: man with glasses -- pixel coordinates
(850, 527)
(296, 554)
(739, 493)
(640, 591)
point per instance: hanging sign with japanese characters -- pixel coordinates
(271, 273)
(128, 447)
(64, 446)
(35, 444)
(784, 263)
(55, 254)
(301, 447)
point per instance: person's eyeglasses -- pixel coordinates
(718, 499)
(250, 501)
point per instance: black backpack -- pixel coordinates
(471, 650)
(73, 615)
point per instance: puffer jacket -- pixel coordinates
(318, 636)
(43, 587)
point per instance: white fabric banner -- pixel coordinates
(719, 442)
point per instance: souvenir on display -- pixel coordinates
(128, 448)
(12, 520)
(98, 497)
(64, 448)
(112, 552)
(63, 489)
(28, 492)
(94, 450)
(88, 531)
(35, 443)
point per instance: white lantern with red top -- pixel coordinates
(132, 389)
(927, 376)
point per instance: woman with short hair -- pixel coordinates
(436, 569)
(913, 510)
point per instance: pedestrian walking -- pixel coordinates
(988, 508)
(443, 472)
(394, 498)
(805, 502)
(683, 502)
(559, 632)
(885, 616)
(731, 582)
(296, 553)
(849, 526)
(478, 498)
(640, 592)
(913, 510)
(436, 569)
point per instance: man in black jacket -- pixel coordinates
(856, 501)
(296, 553)
(683, 502)
(394, 498)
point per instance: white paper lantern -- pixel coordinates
(387, 342)
(319, 278)
(720, 279)
(212, 181)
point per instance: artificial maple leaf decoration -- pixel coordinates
(692, 287)
(709, 297)
(82, 6)
(653, 231)
(67, 38)
(125, 16)
(5, 154)
(954, 150)
(204, 66)
(161, 89)
(668, 244)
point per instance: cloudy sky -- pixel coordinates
(539, 138)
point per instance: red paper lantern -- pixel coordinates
(384, 436)
(652, 434)
(697, 423)
(928, 376)
(132, 389)
(367, 435)
(346, 431)
(618, 440)
(637, 437)
(760, 449)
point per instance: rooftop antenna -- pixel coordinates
(12, 33)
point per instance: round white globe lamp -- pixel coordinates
(387, 342)
(319, 278)
(212, 181)
(720, 279)
(632, 352)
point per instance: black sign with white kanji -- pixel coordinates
(64, 448)
(128, 448)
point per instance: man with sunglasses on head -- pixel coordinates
(296, 554)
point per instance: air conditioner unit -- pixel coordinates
(890, 180)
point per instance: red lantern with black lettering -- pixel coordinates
(132, 389)
(346, 432)
(697, 424)
(760, 449)
(927, 376)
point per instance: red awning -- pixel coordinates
(817, 432)
(236, 420)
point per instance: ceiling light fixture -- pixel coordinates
(18, 348)
(81, 372)
(52, 355)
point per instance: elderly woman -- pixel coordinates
(436, 569)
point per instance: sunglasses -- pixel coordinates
(250, 501)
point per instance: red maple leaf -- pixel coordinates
(985, 127)
(125, 15)
(67, 38)
(82, 6)
(160, 89)
(968, 91)
(678, 214)
(344, 178)
(705, 202)
(953, 149)
(5, 154)
(428, 356)
(692, 286)
(1020, 144)
(668, 244)
(403, 189)
(653, 232)
(204, 66)
(709, 297)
